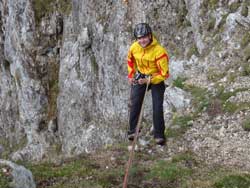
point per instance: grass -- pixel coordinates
(235, 107)
(229, 106)
(84, 171)
(74, 171)
(234, 181)
(186, 156)
(205, 101)
(169, 174)
(186, 171)
(179, 82)
(182, 123)
(246, 124)
(201, 99)
(4, 180)
(183, 170)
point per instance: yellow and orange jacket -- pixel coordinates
(151, 60)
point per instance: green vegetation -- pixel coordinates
(72, 173)
(233, 107)
(186, 156)
(209, 5)
(245, 40)
(65, 6)
(182, 124)
(213, 3)
(94, 65)
(4, 179)
(192, 51)
(201, 98)
(184, 170)
(53, 89)
(181, 16)
(211, 23)
(246, 124)
(246, 69)
(215, 75)
(206, 101)
(234, 6)
(222, 23)
(244, 10)
(179, 82)
(11, 147)
(229, 106)
(41, 8)
(234, 181)
(247, 53)
(168, 173)
(18, 77)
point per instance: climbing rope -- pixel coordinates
(131, 155)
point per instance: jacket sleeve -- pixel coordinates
(161, 61)
(131, 65)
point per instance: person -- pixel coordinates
(147, 59)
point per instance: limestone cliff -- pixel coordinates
(63, 86)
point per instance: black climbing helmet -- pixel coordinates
(141, 30)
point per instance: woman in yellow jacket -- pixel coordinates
(146, 57)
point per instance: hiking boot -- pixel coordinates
(160, 141)
(131, 136)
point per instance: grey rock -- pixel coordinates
(1, 150)
(21, 177)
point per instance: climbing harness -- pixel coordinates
(131, 155)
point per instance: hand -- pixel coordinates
(143, 80)
(131, 80)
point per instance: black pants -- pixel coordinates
(137, 94)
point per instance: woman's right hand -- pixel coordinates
(131, 80)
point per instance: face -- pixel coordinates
(144, 41)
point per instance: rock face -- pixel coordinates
(63, 85)
(21, 177)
